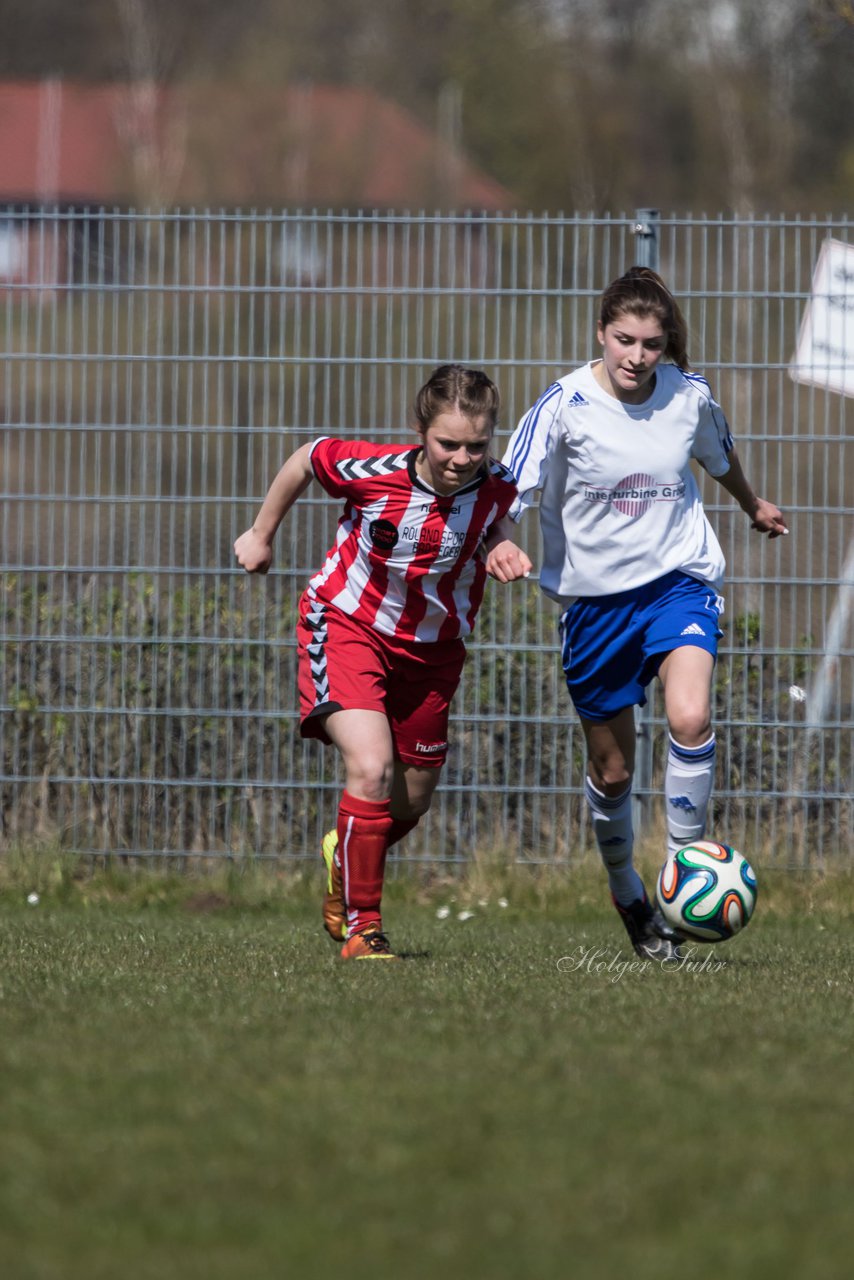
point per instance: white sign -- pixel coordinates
(13, 252)
(825, 354)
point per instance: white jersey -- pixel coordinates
(620, 505)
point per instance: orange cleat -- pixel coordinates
(334, 909)
(371, 944)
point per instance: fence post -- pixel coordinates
(646, 230)
(646, 255)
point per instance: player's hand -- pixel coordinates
(506, 562)
(253, 553)
(768, 519)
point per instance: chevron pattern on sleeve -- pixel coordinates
(370, 468)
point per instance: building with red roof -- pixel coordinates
(216, 145)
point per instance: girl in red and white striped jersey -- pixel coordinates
(382, 624)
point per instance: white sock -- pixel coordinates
(612, 826)
(688, 780)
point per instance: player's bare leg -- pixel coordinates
(611, 751)
(686, 680)
(363, 739)
(411, 796)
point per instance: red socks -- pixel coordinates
(364, 830)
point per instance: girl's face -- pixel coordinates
(453, 449)
(631, 348)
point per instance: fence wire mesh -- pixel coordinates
(158, 368)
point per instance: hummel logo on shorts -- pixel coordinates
(693, 630)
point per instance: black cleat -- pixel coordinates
(650, 934)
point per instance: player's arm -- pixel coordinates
(254, 548)
(505, 561)
(764, 515)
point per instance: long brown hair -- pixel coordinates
(641, 292)
(453, 386)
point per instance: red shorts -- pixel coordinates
(347, 666)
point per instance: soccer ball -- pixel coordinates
(708, 891)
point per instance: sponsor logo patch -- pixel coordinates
(383, 534)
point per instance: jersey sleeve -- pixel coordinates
(325, 451)
(713, 442)
(502, 488)
(531, 447)
(354, 468)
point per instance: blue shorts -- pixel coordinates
(612, 646)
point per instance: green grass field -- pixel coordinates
(193, 1085)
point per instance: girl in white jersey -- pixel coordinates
(634, 563)
(383, 622)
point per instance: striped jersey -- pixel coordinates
(406, 559)
(620, 504)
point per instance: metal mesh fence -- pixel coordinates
(156, 371)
